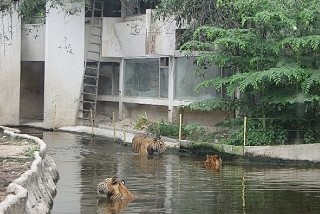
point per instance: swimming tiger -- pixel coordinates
(114, 188)
(213, 162)
(143, 144)
(107, 205)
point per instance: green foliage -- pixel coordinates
(141, 122)
(32, 8)
(192, 131)
(30, 151)
(29, 9)
(273, 47)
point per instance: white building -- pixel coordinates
(140, 71)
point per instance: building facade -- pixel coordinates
(141, 72)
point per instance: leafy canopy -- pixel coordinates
(272, 47)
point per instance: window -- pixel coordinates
(186, 80)
(146, 77)
(109, 79)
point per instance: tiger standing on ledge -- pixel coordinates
(144, 145)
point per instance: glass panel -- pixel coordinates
(109, 79)
(164, 72)
(186, 80)
(142, 77)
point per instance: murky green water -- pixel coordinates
(170, 184)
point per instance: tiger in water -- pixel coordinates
(143, 144)
(114, 188)
(213, 162)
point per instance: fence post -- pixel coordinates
(91, 119)
(114, 127)
(125, 135)
(244, 133)
(180, 127)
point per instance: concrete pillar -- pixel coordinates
(171, 89)
(121, 89)
(64, 64)
(10, 59)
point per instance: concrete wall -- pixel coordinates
(33, 42)
(135, 111)
(160, 35)
(64, 61)
(10, 57)
(139, 36)
(204, 118)
(34, 190)
(131, 35)
(110, 43)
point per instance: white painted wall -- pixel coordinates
(131, 36)
(138, 36)
(110, 44)
(33, 42)
(165, 41)
(10, 57)
(64, 65)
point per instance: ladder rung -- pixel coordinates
(94, 43)
(89, 76)
(95, 35)
(94, 52)
(93, 60)
(91, 68)
(87, 93)
(96, 9)
(96, 26)
(84, 118)
(85, 84)
(86, 101)
(97, 17)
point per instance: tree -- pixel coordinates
(273, 48)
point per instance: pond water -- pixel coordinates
(171, 184)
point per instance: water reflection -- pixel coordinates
(106, 205)
(171, 184)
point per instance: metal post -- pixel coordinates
(244, 133)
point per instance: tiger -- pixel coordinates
(143, 144)
(107, 205)
(213, 162)
(115, 189)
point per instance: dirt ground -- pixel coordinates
(15, 159)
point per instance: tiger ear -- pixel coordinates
(123, 182)
(115, 180)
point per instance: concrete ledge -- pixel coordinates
(34, 190)
(121, 135)
(295, 153)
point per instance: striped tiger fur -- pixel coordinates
(114, 188)
(143, 144)
(213, 162)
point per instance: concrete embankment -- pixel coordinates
(283, 153)
(34, 190)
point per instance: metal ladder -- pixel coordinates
(89, 88)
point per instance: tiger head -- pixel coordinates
(213, 162)
(157, 145)
(114, 188)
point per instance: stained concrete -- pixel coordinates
(34, 190)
